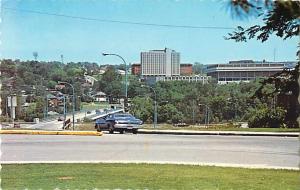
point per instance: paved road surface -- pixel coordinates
(236, 150)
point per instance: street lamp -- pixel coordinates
(155, 106)
(126, 88)
(206, 113)
(73, 100)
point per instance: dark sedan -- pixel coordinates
(119, 122)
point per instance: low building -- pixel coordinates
(136, 69)
(244, 70)
(121, 72)
(186, 69)
(194, 78)
(100, 97)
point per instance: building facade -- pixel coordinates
(244, 70)
(186, 69)
(195, 78)
(160, 63)
(136, 69)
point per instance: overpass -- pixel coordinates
(104, 114)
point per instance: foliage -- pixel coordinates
(177, 101)
(142, 108)
(280, 17)
(285, 89)
(198, 68)
(263, 116)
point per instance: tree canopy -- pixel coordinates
(281, 18)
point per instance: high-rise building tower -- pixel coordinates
(160, 63)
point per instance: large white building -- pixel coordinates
(192, 78)
(160, 63)
(245, 70)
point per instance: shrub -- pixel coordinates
(267, 117)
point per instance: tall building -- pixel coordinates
(244, 70)
(160, 63)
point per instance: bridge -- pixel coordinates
(104, 114)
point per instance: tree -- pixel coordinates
(281, 18)
(142, 108)
(198, 68)
(35, 55)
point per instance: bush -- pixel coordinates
(87, 120)
(266, 117)
(4, 119)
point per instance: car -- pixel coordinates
(118, 122)
(60, 118)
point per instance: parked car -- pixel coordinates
(118, 122)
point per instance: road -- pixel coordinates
(53, 124)
(265, 152)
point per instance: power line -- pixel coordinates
(118, 21)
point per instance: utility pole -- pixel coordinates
(206, 113)
(126, 85)
(73, 101)
(62, 58)
(193, 112)
(64, 112)
(155, 106)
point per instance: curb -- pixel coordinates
(228, 165)
(224, 133)
(39, 132)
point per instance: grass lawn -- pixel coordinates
(143, 176)
(93, 106)
(220, 128)
(87, 126)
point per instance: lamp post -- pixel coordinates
(126, 88)
(155, 106)
(206, 113)
(73, 100)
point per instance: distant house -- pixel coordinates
(121, 72)
(101, 71)
(100, 97)
(52, 100)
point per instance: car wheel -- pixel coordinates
(122, 132)
(134, 131)
(98, 129)
(111, 129)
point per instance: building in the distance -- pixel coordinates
(160, 63)
(136, 69)
(191, 78)
(186, 69)
(244, 70)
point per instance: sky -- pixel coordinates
(23, 33)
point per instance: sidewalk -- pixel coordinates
(225, 133)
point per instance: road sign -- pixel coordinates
(12, 101)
